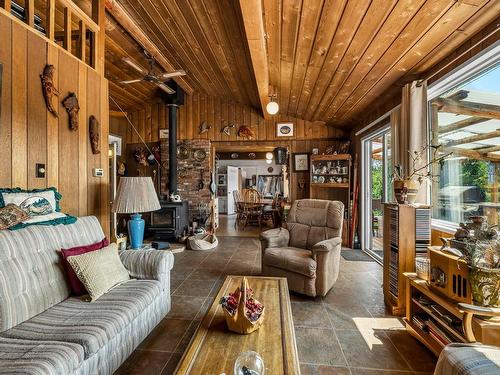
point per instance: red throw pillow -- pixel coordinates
(77, 288)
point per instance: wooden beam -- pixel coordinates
(251, 11)
(67, 29)
(472, 154)
(99, 17)
(469, 108)
(51, 19)
(29, 8)
(461, 124)
(474, 138)
(459, 95)
(487, 150)
(117, 114)
(130, 25)
(82, 39)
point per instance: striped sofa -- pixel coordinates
(45, 331)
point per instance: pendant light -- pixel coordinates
(272, 107)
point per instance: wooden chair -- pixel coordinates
(272, 212)
(252, 208)
(239, 208)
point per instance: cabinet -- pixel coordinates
(330, 180)
(407, 233)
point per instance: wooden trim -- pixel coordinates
(253, 23)
(99, 17)
(5, 4)
(50, 16)
(67, 29)
(82, 38)
(81, 15)
(30, 12)
(129, 24)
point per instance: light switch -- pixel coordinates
(40, 170)
(97, 172)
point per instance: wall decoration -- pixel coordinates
(118, 141)
(141, 155)
(156, 152)
(234, 155)
(300, 162)
(199, 155)
(315, 151)
(245, 132)
(251, 155)
(183, 152)
(227, 129)
(204, 127)
(72, 107)
(48, 88)
(163, 133)
(122, 168)
(344, 147)
(330, 150)
(284, 129)
(270, 169)
(94, 135)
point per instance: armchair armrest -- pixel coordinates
(277, 237)
(327, 245)
(469, 311)
(148, 264)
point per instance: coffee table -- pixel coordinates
(214, 349)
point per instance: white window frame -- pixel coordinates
(483, 60)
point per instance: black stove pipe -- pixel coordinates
(172, 148)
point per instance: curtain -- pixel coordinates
(409, 130)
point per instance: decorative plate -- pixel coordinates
(285, 129)
(183, 152)
(321, 179)
(234, 155)
(251, 155)
(182, 172)
(270, 169)
(200, 155)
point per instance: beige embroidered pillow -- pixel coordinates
(100, 270)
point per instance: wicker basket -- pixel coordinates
(238, 322)
(422, 267)
(204, 242)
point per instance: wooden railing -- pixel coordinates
(89, 28)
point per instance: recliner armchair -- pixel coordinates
(307, 252)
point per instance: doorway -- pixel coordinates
(376, 189)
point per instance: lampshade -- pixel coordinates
(135, 195)
(272, 108)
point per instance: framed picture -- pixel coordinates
(315, 151)
(300, 162)
(221, 179)
(118, 140)
(284, 129)
(163, 133)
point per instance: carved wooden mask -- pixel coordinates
(72, 107)
(94, 135)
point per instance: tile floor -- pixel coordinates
(347, 332)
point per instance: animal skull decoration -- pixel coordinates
(227, 129)
(48, 88)
(72, 107)
(94, 135)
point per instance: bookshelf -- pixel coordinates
(407, 233)
(330, 179)
(436, 321)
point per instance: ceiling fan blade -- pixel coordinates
(177, 73)
(132, 81)
(165, 88)
(134, 65)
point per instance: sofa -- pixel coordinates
(307, 252)
(43, 330)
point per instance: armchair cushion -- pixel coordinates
(327, 245)
(278, 237)
(291, 259)
(149, 264)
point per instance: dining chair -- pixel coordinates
(252, 207)
(237, 196)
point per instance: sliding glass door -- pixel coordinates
(376, 188)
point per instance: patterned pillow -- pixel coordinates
(75, 284)
(20, 197)
(11, 215)
(100, 270)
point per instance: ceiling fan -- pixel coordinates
(150, 76)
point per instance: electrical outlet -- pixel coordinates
(40, 170)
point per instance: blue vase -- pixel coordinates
(136, 231)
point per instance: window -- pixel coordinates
(466, 121)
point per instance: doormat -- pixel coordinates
(356, 256)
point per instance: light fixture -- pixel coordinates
(269, 155)
(272, 107)
(269, 161)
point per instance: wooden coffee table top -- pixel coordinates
(214, 349)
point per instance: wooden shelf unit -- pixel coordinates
(407, 231)
(334, 191)
(486, 331)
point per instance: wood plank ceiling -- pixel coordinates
(328, 60)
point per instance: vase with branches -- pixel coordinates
(407, 182)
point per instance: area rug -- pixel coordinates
(356, 256)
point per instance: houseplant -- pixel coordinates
(407, 183)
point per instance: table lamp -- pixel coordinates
(136, 194)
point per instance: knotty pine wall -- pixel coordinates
(29, 134)
(218, 113)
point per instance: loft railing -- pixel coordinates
(71, 39)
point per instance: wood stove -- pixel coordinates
(170, 222)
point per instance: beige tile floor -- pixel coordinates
(347, 332)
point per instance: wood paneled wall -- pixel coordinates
(29, 134)
(219, 113)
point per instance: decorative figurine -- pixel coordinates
(94, 135)
(204, 127)
(245, 132)
(227, 129)
(48, 88)
(72, 107)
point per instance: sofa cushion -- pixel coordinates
(39, 357)
(32, 278)
(90, 325)
(291, 259)
(76, 286)
(11, 215)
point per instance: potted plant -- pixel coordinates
(407, 183)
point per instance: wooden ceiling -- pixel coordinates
(327, 60)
